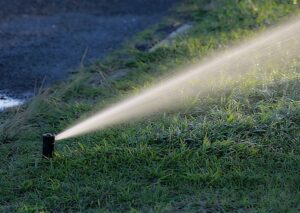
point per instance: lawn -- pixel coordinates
(228, 150)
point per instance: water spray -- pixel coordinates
(48, 145)
(275, 48)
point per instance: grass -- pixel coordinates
(231, 150)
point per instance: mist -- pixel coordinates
(273, 49)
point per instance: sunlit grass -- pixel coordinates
(232, 150)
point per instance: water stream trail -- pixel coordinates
(273, 49)
(7, 101)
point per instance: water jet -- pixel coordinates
(48, 145)
(274, 49)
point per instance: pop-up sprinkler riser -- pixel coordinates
(48, 145)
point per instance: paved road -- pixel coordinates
(42, 39)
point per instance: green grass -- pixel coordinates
(232, 150)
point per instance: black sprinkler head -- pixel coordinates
(48, 145)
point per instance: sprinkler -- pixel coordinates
(48, 145)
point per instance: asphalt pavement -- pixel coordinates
(42, 40)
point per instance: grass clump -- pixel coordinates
(230, 150)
